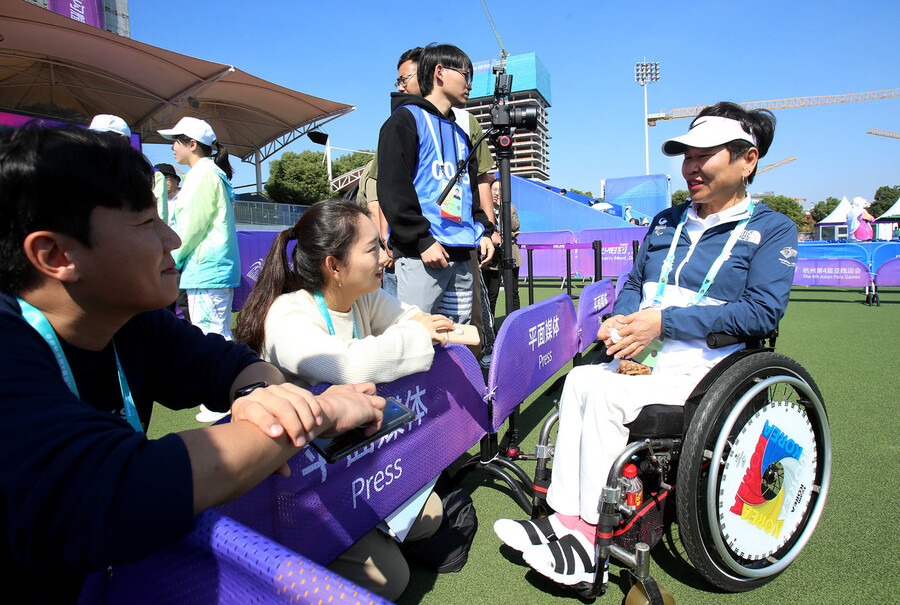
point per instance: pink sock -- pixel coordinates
(580, 525)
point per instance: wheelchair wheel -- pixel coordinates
(754, 472)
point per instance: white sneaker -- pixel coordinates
(526, 534)
(568, 560)
(207, 415)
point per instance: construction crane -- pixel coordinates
(776, 164)
(503, 53)
(690, 112)
(884, 133)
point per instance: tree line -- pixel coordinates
(885, 197)
(302, 178)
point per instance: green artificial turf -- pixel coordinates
(850, 349)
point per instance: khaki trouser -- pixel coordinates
(375, 561)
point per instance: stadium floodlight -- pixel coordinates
(644, 73)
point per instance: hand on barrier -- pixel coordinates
(438, 327)
(636, 331)
(495, 238)
(348, 406)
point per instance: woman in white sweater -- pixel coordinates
(327, 318)
(323, 317)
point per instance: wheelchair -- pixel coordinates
(750, 454)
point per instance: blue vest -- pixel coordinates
(431, 174)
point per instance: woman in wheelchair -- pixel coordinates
(323, 317)
(720, 263)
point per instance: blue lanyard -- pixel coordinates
(41, 324)
(323, 309)
(669, 261)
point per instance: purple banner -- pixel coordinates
(547, 263)
(83, 11)
(888, 273)
(594, 302)
(834, 272)
(321, 509)
(617, 250)
(253, 246)
(533, 344)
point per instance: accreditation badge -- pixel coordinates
(452, 206)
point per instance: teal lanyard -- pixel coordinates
(41, 324)
(323, 309)
(669, 261)
(439, 146)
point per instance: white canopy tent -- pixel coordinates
(834, 226)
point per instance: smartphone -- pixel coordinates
(340, 446)
(464, 334)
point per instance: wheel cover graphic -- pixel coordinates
(767, 481)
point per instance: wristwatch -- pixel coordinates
(244, 391)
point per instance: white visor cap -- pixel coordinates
(192, 128)
(105, 122)
(708, 131)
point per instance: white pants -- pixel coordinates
(210, 310)
(596, 404)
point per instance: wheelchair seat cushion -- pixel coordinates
(657, 421)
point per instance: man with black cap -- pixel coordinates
(173, 186)
(173, 182)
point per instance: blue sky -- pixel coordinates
(707, 51)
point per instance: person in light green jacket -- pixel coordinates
(203, 217)
(204, 220)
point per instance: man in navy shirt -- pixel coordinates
(85, 271)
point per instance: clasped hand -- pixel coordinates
(286, 409)
(636, 331)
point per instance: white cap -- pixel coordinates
(196, 129)
(105, 122)
(708, 131)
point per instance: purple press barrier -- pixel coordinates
(620, 280)
(533, 344)
(322, 509)
(888, 273)
(547, 263)
(595, 301)
(253, 246)
(224, 562)
(616, 249)
(833, 272)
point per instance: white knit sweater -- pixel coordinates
(390, 344)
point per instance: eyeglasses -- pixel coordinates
(464, 72)
(402, 80)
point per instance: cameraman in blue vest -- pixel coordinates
(419, 148)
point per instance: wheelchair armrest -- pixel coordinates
(715, 340)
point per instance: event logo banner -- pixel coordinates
(83, 11)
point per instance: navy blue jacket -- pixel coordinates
(754, 284)
(80, 489)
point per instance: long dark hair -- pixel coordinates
(220, 157)
(758, 122)
(327, 228)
